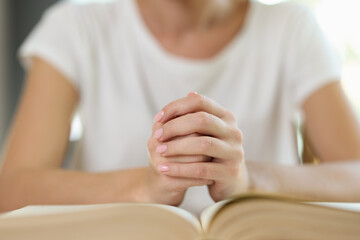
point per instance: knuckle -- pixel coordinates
(231, 115)
(203, 118)
(167, 108)
(237, 134)
(206, 144)
(201, 171)
(170, 109)
(239, 154)
(198, 99)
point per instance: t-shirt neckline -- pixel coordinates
(149, 41)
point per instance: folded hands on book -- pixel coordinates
(195, 142)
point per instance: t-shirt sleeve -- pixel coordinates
(59, 40)
(312, 62)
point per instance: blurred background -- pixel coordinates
(340, 20)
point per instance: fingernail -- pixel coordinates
(158, 133)
(159, 116)
(161, 148)
(163, 168)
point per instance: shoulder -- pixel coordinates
(87, 15)
(282, 9)
(284, 13)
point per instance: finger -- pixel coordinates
(204, 145)
(199, 122)
(156, 126)
(181, 159)
(209, 171)
(190, 104)
(184, 183)
(188, 159)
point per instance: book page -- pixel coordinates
(353, 207)
(280, 219)
(29, 211)
(184, 214)
(57, 209)
(131, 221)
(209, 212)
(242, 208)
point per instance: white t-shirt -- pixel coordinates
(125, 77)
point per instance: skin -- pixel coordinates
(203, 142)
(222, 140)
(187, 28)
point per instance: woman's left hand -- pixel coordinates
(220, 139)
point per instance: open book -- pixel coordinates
(244, 217)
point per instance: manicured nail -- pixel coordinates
(161, 148)
(158, 133)
(163, 168)
(159, 116)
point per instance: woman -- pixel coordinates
(120, 62)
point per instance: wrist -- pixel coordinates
(141, 191)
(130, 185)
(262, 178)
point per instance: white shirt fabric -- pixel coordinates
(125, 77)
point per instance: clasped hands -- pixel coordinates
(195, 142)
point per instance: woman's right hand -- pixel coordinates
(159, 188)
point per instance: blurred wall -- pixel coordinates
(17, 18)
(24, 16)
(4, 70)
